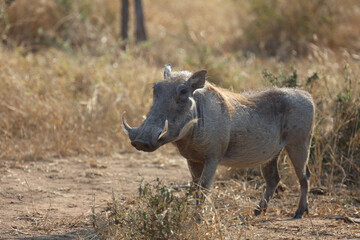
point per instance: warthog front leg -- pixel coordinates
(196, 169)
(208, 173)
(203, 175)
(271, 176)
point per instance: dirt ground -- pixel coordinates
(53, 199)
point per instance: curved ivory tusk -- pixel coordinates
(184, 131)
(125, 126)
(165, 130)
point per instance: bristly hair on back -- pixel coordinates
(230, 98)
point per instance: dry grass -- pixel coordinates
(64, 80)
(282, 28)
(60, 23)
(53, 104)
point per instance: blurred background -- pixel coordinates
(68, 69)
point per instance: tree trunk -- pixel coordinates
(140, 27)
(124, 19)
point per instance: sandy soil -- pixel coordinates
(53, 199)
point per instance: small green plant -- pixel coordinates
(65, 5)
(282, 80)
(161, 212)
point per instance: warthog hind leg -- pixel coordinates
(271, 176)
(299, 156)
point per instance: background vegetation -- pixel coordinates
(65, 80)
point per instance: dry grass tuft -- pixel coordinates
(160, 212)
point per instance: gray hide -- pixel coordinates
(212, 126)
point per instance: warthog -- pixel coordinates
(212, 126)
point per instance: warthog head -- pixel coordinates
(173, 112)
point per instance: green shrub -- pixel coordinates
(160, 212)
(282, 80)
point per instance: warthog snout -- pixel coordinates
(143, 146)
(145, 138)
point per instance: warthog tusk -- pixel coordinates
(186, 129)
(165, 130)
(125, 126)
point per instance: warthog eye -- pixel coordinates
(181, 89)
(182, 92)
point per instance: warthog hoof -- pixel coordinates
(299, 213)
(258, 211)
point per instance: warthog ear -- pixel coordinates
(167, 71)
(197, 80)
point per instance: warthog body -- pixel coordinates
(212, 126)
